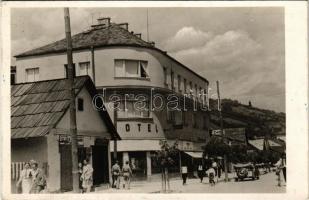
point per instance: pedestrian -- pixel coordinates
(25, 179)
(38, 178)
(86, 177)
(219, 169)
(215, 166)
(80, 172)
(184, 174)
(127, 173)
(200, 172)
(211, 175)
(116, 175)
(281, 166)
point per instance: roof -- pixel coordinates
(114, 35)
(37, 107)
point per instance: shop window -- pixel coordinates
(32, 74)
(80, 104)
(131, 68)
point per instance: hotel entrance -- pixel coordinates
(139, 164)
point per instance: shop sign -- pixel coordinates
(64, 139)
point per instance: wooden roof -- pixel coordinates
(37, 107)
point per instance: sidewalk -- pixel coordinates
(266, 184)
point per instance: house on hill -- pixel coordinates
(40, 131)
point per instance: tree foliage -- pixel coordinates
(168, 153)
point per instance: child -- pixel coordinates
(211, 174)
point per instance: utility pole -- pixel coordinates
(73, 128)
(222, 132)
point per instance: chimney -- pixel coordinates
(124, 26)
(104, 20)
(139, 35)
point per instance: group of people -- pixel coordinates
(85, 172)
(32, 179)
(117, 173)
(214, 170)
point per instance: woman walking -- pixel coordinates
(86, 176)
(25, 179)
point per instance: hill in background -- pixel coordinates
(258, 122)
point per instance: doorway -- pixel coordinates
(66, 178)
(100, 164)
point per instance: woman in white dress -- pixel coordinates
(86, 176)
(25, 179)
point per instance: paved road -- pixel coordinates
(266, 184)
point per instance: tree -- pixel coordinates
(166, 158)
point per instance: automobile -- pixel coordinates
(246, 171)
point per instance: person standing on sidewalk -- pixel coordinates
(116, 175)
(184, 174)
(127, 173)
(87, 176)
(38, 178)
(200, 172)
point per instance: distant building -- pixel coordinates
(119, 62)
(40, 131)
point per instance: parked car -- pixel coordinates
(246, 171)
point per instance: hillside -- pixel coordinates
(258, 122)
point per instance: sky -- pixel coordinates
(242, 48)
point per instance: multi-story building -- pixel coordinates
(123, 68)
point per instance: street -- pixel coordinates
(266, 184)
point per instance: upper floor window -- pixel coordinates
(191, 87)
(13, 75)
(66, 70)
(200, 93)
(165, 75)
(80, 104)
(133, 109)
(84, 68)
(196, 92)
(131, 68)
(179, 82)
(185, 85)
(172, 80)
(32, 74)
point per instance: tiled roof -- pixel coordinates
(37, 107)
(113, 35)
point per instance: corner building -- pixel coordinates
(121, 63)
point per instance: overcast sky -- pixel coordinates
(243, 48)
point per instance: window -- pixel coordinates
(205, 122)
(200, 93)
(165, 75)
(13, 75)
(131, 111)
(191, 88)
(66, 70)
(131, 68)
(178, 118)
(80, 104)
(179, 83)
(32, 74)
(172, 80)
(194, 120)
(185, 85)
(170, 115)
(196, 90)
(184, 118)
(84, 68)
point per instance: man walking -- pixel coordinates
(184, 173)
(127, 173)
(116, 175)
(38, 178)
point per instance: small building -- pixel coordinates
(40, 125)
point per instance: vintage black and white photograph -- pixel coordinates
(148, 100)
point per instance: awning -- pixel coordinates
(194, 154)
(259, 144)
